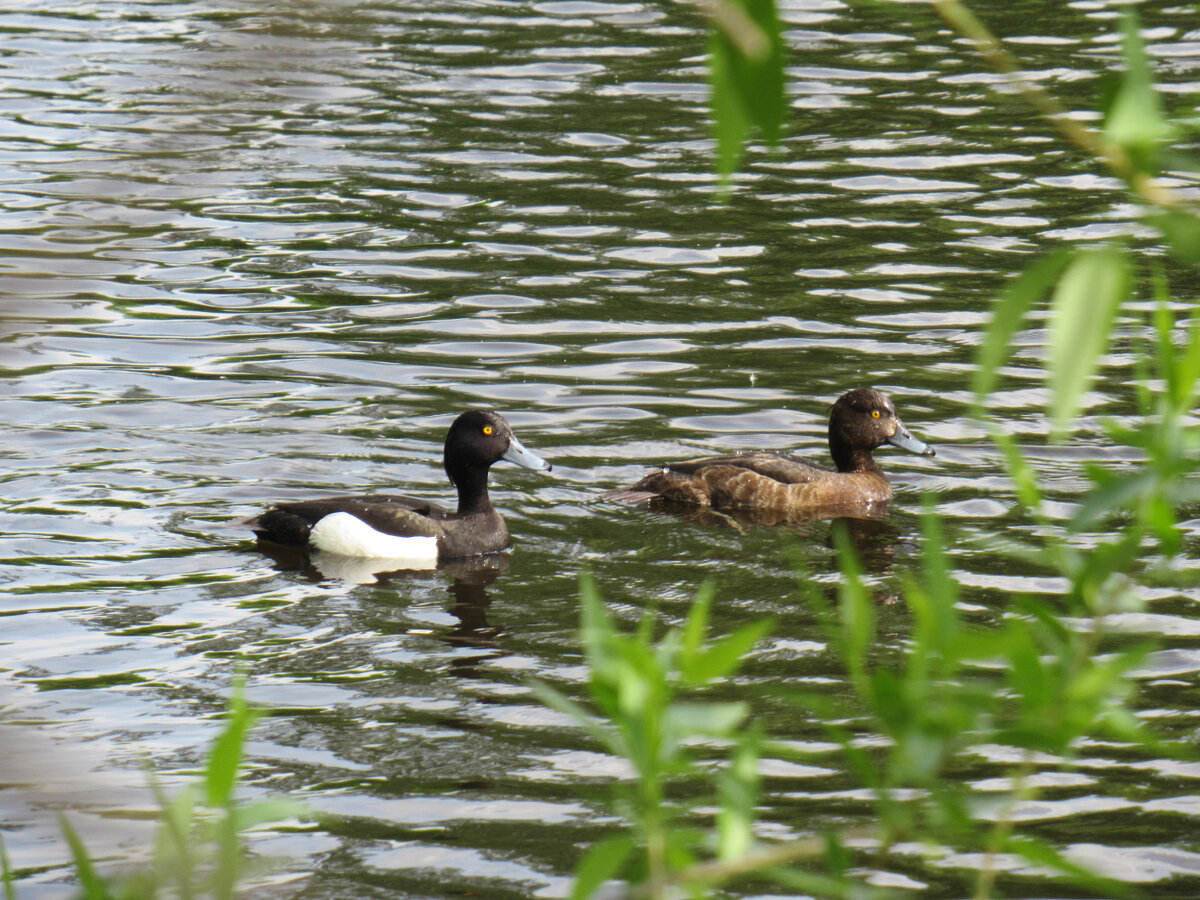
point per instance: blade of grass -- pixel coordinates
(10, 892)
(90, 883)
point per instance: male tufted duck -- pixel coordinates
(859, 421)
(417, 532)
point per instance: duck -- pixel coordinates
(860, 421)
(413, 532)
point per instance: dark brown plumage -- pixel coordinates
(860, 421)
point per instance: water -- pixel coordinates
(261, 251)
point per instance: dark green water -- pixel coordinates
(261, 251)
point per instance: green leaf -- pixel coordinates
(225, 758)
(1164, 334)
(599, 637)
(1182, 370)
(709, 719)
(888, 699)
(1104, 679)
(1085, 305)
(747, 76)
(810, 884)
(1025, 479)
(696, 627)
(1030, 679)
(1181, 230)
(1118, 494)
(855, 606)
(1134, 120)
(635, 691)
(737, 792)
(730, 121)
(1121, 723)
(174, 852)
(725, 655)
(594, 623)
(1045, 856)
(940, 626)
(604, 735)
(90, 883)
(274, 810)
(227, 858)
(1160, 514)
(1015, 302)
(762, 79)
(602, 862)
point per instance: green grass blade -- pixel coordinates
(855, 606)
(91, 885)
(225, 758)
(228, 856)
(696, 627)
(597, 632)
(10, 892)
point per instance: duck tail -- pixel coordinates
(629, 495)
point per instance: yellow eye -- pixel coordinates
(874, 414)
(488, 429)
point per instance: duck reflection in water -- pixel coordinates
(868, 530)
(468, 585)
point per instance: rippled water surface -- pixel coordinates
(255, 251)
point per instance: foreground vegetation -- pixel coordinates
(199, 850)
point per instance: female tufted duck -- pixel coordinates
(417, 532)
(859, 421)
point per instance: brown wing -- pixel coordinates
(730, 487)
(760, 479)
(781, 467)
(289, 523)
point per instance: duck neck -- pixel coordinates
(851, 459)
(472, 491)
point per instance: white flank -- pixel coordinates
(346, 535)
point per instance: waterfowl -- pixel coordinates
(860, 421)
(406, 529)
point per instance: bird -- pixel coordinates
(417, 532)
(860, 421)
